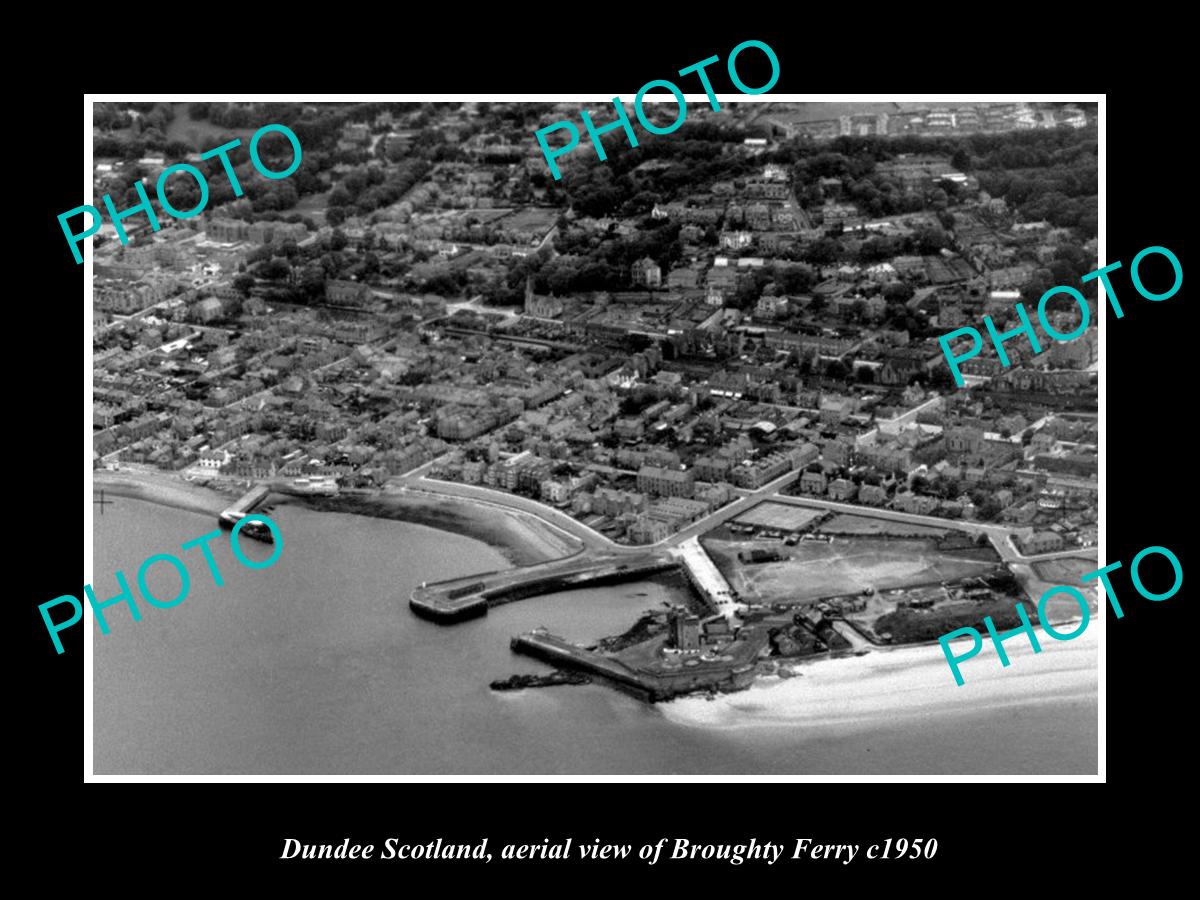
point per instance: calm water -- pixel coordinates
(316, 666)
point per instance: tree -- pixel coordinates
(242, 284)
(794, 279)
(823, 252)
(274, 269)
(929, 241)
(940, 377)
(340, 195)
(897, 292)
(836, 369)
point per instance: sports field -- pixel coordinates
(782, 516)
(1068, 570)
(846, 566)
(867, 525)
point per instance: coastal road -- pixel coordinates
(590, 538)
(894, 515)
(999, 535)
(732, 510)
(414, 481)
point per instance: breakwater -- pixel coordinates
(452, 601)
(655, 683)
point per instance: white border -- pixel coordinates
(89, 775)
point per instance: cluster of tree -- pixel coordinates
(110, 116)
(594, 261)
(625, 185)
(447, 283)
(828, 251)
(524, 118)
(1047, 175)
(1070, 263)
(369, 188)
(1002, 150)
(237, 115)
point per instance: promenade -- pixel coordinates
(605, 561)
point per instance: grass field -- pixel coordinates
(1064, 571)
(782, 516)
(866, 525)
(201, 134)
(198, 134)
(532, 217)
(814, 570)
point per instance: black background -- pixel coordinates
(985, 831)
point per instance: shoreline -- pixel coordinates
(862, 693)
(521, 538)
(163, 490)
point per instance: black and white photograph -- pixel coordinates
(703, 434)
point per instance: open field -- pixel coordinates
(533, 217)
(814, 570)
(781, 516)
(866, 525)
(1067, 570)
(201, 134)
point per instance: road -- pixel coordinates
(998, 534)
(415, 481)
(557, 519)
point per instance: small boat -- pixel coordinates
(252, 529)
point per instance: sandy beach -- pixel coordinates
(165, 489)
(522, 538)
(912, 683)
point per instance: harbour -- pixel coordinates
(319, 671)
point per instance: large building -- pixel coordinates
(665, 482)
(646, 272)
(685, 630)
(351, 293)
(542, 307)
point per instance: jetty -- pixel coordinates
(245, 504)
(731, 670)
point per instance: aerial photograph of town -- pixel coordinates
(654, 468)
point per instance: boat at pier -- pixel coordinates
(253, 529)
(249, 501)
